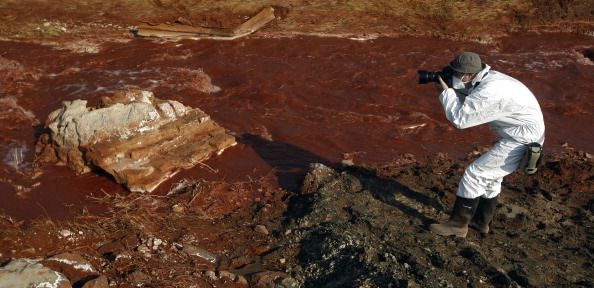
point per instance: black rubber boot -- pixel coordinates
(464, 209)
(484, 214)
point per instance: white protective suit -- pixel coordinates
(512, 112)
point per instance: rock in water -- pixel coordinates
(139, 139)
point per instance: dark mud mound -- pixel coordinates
(367, 227)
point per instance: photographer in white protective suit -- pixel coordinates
(481, 95)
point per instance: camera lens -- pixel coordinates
(423, 76)
(427, 76)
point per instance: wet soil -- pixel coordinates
(344, 226)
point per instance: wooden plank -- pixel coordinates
(184, 30)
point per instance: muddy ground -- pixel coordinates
(352, 226)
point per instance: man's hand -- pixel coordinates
(441, 85)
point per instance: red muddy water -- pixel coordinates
(289, 101)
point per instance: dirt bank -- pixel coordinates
(475, 20)
(355, 226)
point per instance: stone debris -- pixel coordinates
(199, 252)
(98, 282)
(261, 229)
(265, 278)
(185, 29)
(138, 278)
(26, 272)
(73, 266)
(137, 138)
(323, 177)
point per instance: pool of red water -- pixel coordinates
(289, 101)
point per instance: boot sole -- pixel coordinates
(479, 228)
(448, 230)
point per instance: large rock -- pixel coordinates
(139, 139)
(29, 273)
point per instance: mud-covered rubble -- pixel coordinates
(217, 238)
(368, 228)
(351, 226)
(137, 138)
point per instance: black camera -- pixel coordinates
(447, 74)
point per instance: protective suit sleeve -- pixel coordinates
(478, 108)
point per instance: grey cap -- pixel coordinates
(467, 62)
